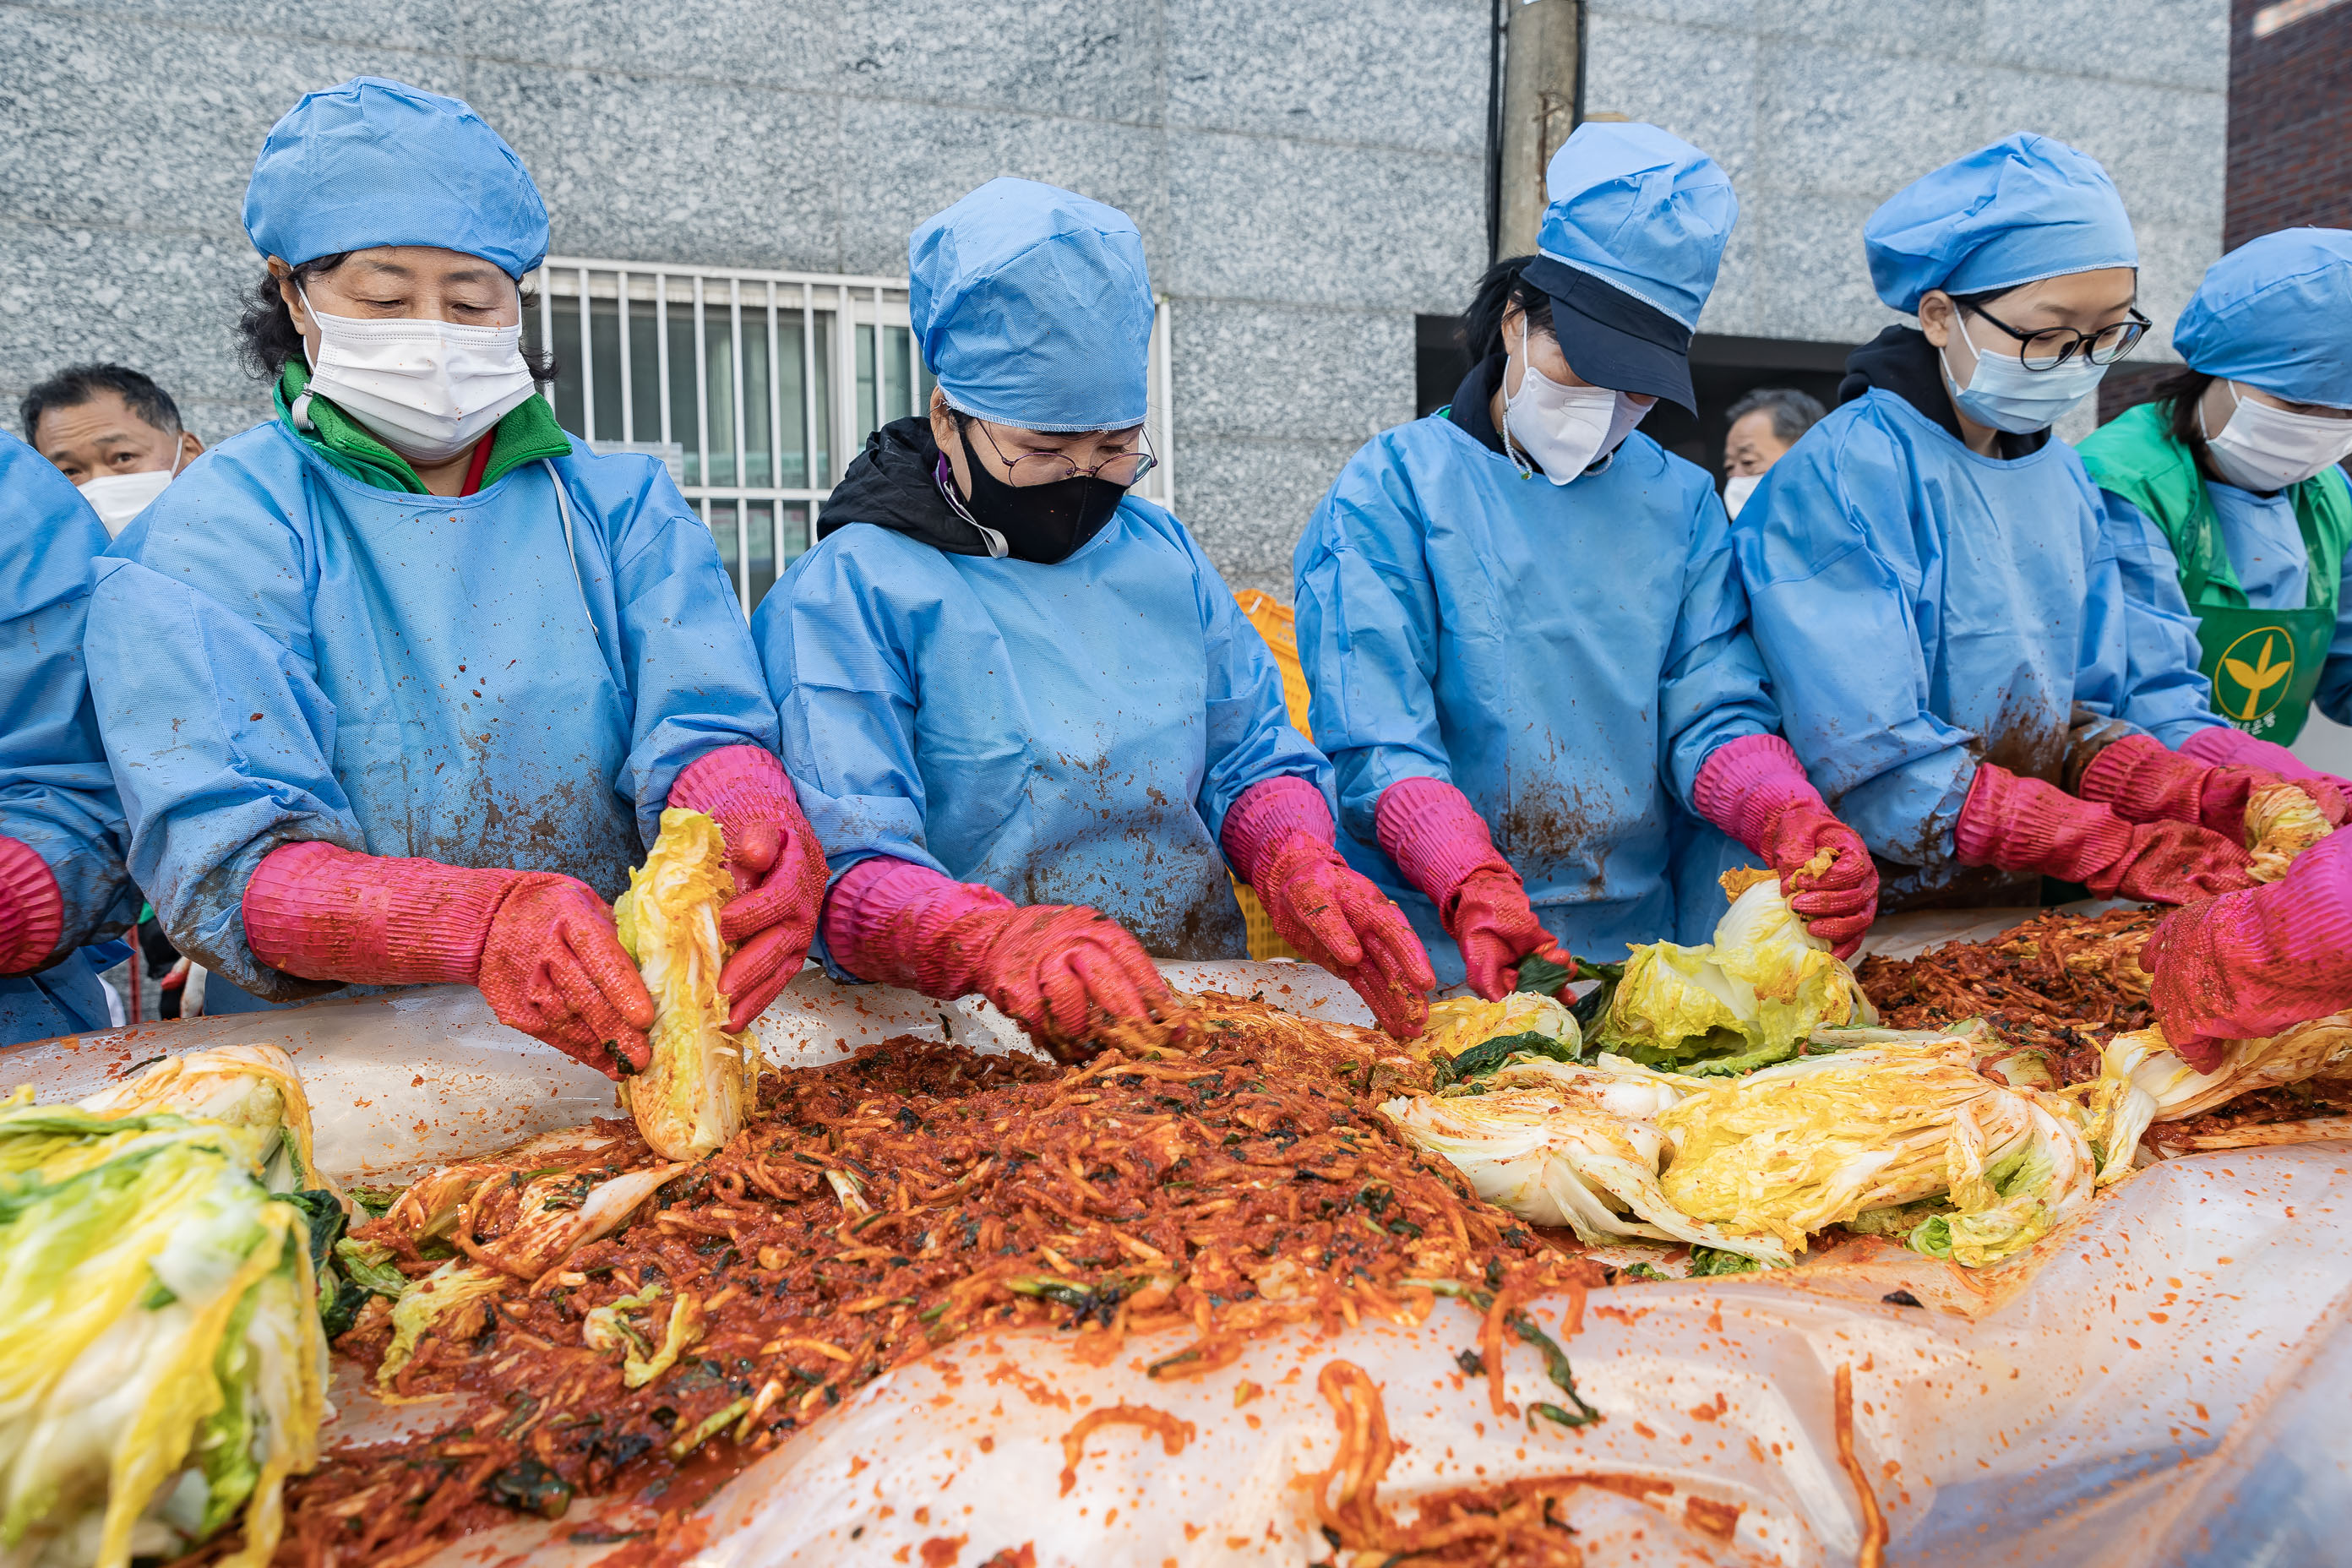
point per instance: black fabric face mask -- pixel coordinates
(1043, 523)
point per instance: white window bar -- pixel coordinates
(828, 414)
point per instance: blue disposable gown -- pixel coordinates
(1070, 733)
(56, 795)
(1923, 609)
(2264, 544)
(1565, 655)
(281, 653)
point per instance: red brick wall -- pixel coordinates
(2289, 124)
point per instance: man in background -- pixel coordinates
(1764, 424)
(114, 432)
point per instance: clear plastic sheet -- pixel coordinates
(2162, 1384)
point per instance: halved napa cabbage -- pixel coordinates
(1562, 1143)
(2142, 1080)
(696, 1091)
(253, 1087)
(1790, 1149)
(2282, 822)
(1745, 1000)
(1460, 1022)
(162, 1365)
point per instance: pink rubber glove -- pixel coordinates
(2224, 743)
(2253, 962)
(32, 910)
(1755, 789)
(780, 873)
(541, 948)
(1055, 968)
(1280, 839)
(2145, 783)
(1439, 841)
(2025, 825)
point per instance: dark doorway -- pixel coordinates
(1439, 363)
(1723, 371)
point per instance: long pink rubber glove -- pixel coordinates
(2254, 962)
(1280, 838)
(2225, 743)
(1051, 967)
(32, 910)
(779, 871)
(541, 947)
(1755, 789)
(2025, 825)
(1440, 842)
(2145, 781)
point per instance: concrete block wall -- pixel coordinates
(1307, 177)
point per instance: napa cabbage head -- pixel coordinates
(1790, 1149)
(254, 1088)
(1460, 1022)
(162, 1370)
(697, 1089)
(1747, 999)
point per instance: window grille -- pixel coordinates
(756, 388)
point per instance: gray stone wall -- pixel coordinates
(1306, 176)
(1822, 109)
(1309, 174)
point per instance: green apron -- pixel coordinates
(2264, 665)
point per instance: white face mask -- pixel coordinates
(1566, 429)
(427, 389)
(2003, 393)
(1737, 489)
(119, 498)
(2260, 447)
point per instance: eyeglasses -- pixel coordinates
(1121, 469)
(2054, 346)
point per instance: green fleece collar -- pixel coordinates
(527, 433)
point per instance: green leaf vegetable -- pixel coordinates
(162, 1369)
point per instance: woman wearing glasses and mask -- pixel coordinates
(395, 687)
(1528, 649)
(1008, 681)
(1943, 620)
(2224, 495)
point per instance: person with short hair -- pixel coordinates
(398, 685)
(1032, 725)
(1943, 619)
(1765, 424)
(2225, 503)
(114, 432)
(1528, 646)
(62, 884)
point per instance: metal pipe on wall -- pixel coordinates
(1542, 77)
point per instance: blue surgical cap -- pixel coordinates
(1032, 307)
(2277, 313)
(2023, 209)
(380, 162)
(1642, 210)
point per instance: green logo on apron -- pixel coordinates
(2254, 672)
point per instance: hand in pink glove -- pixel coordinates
(2145, 783)
(780, 872)
(2025, 825)
(1279, 837)
(1755, 789)
(2224, 743)
(2256, 962)
(1439, 841)
(541, 947)
(1058, 968)
(32, 910)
